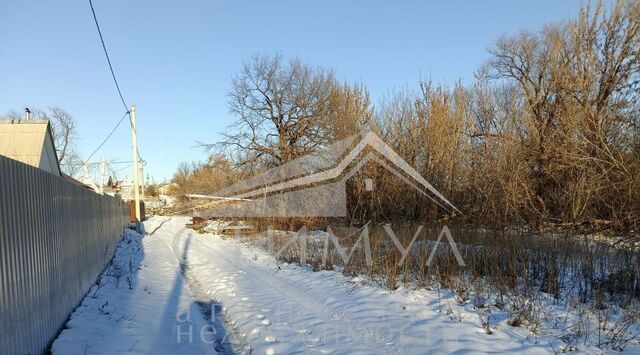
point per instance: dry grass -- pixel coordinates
(506, 263)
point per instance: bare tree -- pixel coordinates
(549, 132)
(349, 111)
(64, 132)
(204, 177)
(279, 107)
(578, 82)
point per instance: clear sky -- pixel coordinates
(175, 59)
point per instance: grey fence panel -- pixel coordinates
(55, 239)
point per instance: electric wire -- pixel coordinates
(104, 47)
(126, 167)
(108, 136)
(115, 81)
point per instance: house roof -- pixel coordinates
(23, 140)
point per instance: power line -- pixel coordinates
(126, 167)
(115, 81)
(112, 162)
(113, 75)
(108, 136)
(121, 162)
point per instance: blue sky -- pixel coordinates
(175, 59)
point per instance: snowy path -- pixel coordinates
(135, 312)
(196, 293)
(291, 309)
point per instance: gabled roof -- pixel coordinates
(25, 140)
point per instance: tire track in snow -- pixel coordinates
(320, 311)
(247, 284)
(195, 289)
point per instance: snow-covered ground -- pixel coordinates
(141, 299)
(184, 292)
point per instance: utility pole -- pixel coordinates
(136, 167)
(142, 179)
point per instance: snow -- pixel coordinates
(169, 201)
(115, 318)
(202, 293)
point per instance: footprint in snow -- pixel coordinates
(337, 316)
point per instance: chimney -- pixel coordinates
(27, 113)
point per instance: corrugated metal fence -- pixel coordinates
(55, 239)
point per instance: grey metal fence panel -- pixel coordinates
(55, 239)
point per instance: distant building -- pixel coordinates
(30, 142)
(124, 188)
(109, 190)
(165, 189)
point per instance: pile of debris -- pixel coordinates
(215, 226)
